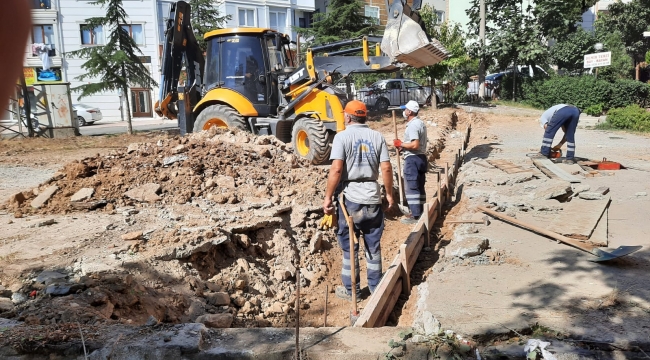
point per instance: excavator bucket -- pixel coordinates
(406, 41)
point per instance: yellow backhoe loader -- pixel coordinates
(246, 79)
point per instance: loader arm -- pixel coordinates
(180, 48)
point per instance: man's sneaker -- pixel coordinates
(342, 293)
(409, 220)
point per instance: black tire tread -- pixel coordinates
(224, 112)
(320, 145)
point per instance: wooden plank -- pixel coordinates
(507, 166)
(391, 300)
(378, 299)
(600, 236)
(548, 164)
(404, 259)
(579, 218)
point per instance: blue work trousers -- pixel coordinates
(415, 170)
(369, 220)
(567, 116)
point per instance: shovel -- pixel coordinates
(601, 255)
(404, 209)
(354, 314)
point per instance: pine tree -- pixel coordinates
(116, 65)
(205, 17)
(345, 19)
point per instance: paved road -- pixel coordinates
(118, 127)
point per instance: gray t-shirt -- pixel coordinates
(548, 114)
(415, 130)
(362, 149)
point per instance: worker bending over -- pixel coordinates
(560, 116)
(414, 149)
(358, 154)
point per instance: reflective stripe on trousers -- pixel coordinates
(369, 220)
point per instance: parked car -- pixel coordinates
(395, 92)
(493, 81)
(87, 114)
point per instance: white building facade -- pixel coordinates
(59, 28)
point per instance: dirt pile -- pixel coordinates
(210, 227)
(222, 166)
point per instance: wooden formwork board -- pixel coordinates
(396, 278)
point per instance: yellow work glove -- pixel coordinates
(327, 221)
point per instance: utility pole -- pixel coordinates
(481, 68)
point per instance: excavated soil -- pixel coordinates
(214, 224)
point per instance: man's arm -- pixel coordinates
(387, 176)
(332, 181)
(413, 145)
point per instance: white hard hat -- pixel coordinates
(411, 105)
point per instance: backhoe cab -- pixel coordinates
(247, 79)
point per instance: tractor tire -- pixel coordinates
(382, 104)
(311, 140)
(221, 116)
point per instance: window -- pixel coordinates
(43, 34)
(373, 12)
(440, 17)
(247, 17)
(278, 20)
(41, 4)
(302, 23)
(395, 85)
(92, 36)
(411, 85)
(135, 31)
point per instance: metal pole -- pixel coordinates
(481, 69)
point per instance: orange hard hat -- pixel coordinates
(356, 108)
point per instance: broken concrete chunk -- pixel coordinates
(552, 189)
(219, 321)
(179, 149)
(427, 324)
(579, 188)
(58, 289)
(282, 275)
(135, 235)
(147, 192)
(47, 222)
(218, 298)
(590, 195)
(173, 159)
(46, 277)
(641, 193)
(469, 246)
(132, 147)
(316, 242)
(44, 196)
(83, 194)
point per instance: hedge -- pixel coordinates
(632, 117)
(581, 91)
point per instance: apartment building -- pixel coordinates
(59, 27)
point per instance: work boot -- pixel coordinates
(342, 293)
(409, 220)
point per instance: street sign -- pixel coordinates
(646, 34)
(598, 59)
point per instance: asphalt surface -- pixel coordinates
(119, 127)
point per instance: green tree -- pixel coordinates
(116, 65)
(206, 17)
(568, 54)
(630, 20)
(557, 18)
(513, 36)
(622, 66)
(344, 19)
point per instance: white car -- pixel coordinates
(395, 92)
(87, 114)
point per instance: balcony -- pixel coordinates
(41, 4)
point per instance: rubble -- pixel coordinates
(44, 196)
(216, 320)
(146, 193)
(83, 194)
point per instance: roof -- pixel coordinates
(236, 31)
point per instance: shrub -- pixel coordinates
(632, 117)
(594, 110)
(581, 91)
